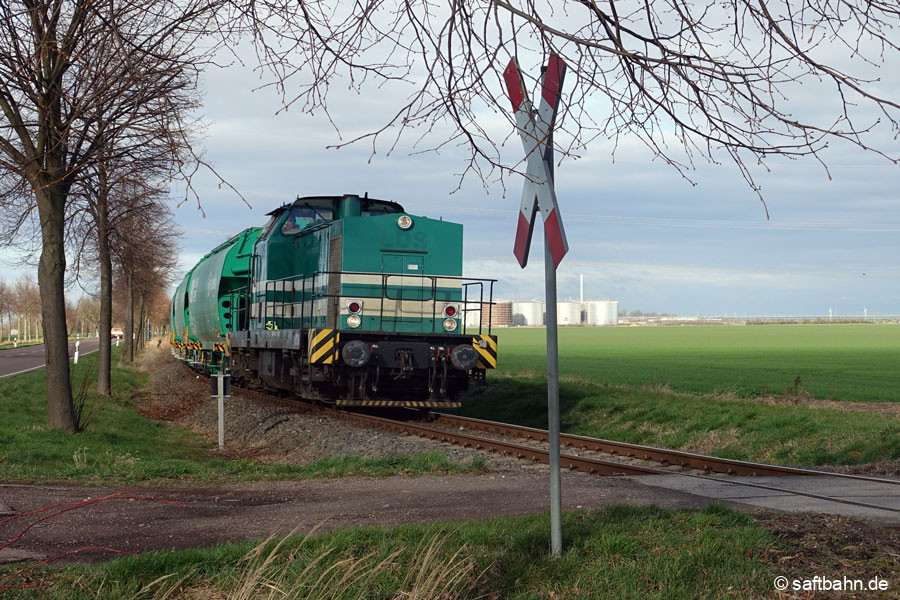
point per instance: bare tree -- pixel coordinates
(691, 80)
(26, 303)
(63, 64)
(114, 198)
(5, 301)
(144, 249)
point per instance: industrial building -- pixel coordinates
(532, 313)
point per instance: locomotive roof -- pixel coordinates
(331, 200)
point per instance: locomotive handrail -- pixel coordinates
(277, 295)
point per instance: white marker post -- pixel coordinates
(76, 351)
(539, 193)
(220, 388)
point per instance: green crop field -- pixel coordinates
(856, 362)
(696, 388)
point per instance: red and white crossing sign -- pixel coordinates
(536, 130)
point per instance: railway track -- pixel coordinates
(664, 457)
(615, 458)
(458, 430)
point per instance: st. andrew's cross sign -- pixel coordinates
(536, 131)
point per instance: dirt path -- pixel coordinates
(209, 515)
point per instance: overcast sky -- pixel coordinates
(638, 231)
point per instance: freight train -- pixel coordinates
(343, 299)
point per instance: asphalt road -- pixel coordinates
(16, 361)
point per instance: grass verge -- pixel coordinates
(730, 428)
(618, 552)
(120, 445)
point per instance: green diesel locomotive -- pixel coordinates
(342, 299)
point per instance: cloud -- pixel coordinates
(639, 231)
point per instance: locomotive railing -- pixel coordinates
(314, 301)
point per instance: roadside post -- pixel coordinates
(220, 388)
(76, 351)
(536, 131)
(147, 349)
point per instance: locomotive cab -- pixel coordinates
(355, 301)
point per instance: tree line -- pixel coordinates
(97, 99)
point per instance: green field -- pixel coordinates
(850, 362)
(693, 388)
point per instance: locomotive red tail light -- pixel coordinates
(354, 307)
(450, 310)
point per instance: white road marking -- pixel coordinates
(41, 366)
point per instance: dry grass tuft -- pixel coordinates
(272, 571)
(714, 440)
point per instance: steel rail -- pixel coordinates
(578, 463)
(568, 461)
(585, 464)
(665, 456)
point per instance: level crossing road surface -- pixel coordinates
(17, 361)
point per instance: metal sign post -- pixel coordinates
(536, 131)
(76, 351)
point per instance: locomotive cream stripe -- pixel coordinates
(397, 279)
(424, 309)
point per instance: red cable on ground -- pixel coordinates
(123, 495)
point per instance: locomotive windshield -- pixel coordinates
(304, 215)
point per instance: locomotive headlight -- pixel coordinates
(354, 321)
(355, 353)
(404, 222)
(464, 357)
(450, 324)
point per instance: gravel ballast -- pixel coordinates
(272, 433)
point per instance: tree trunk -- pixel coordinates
(141, 327)
(129, 320)
(51, 281)
(104, 353)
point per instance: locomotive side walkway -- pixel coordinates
(16, 361)
(209, 515)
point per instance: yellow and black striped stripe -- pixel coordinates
(219, 347)
(323, 346)
(486, 346)
(399, 403)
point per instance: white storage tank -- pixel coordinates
(525, 314)
(601, 312)
(472, 315)
(568, 313)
